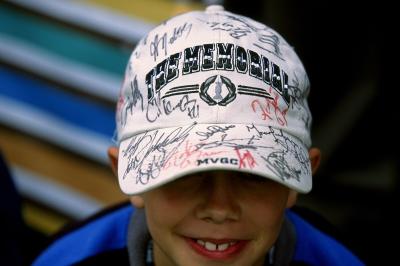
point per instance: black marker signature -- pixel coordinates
(211, 130)
(286, 148)
(225, 141)
(158, 107)
(148, 153)
(154, 45)
(132, 101)
(277, 163)
(239, 27)
(178, 32)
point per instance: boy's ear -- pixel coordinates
(315, 159)
(112, 152)
(137, 201)
(113, 157)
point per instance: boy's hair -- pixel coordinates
(213, 90)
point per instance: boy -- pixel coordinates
(214, 145)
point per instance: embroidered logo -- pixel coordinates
(217, 90)
(213, 89)
(217, 56)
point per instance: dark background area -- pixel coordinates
(343, 45)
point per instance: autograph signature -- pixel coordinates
(147, 153)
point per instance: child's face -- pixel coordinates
(215, 218)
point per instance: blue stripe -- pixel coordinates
(68, 107)
(63, 41)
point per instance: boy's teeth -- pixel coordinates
(210, 246)
(201, 242)
(213, 247)
(222, 247)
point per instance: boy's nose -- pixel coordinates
(220, 202)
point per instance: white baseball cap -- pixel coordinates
(213, 90)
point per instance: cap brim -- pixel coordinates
(156, 157)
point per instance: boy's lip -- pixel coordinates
(217, 249)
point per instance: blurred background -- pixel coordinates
(61, 66)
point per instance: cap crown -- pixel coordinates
(213, 90)
(214, 67)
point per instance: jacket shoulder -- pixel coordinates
(315, 247)
(103, 232)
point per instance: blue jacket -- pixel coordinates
(107, 234)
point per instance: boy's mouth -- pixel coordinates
(210, 246)
(217, 248)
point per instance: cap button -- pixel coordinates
(214, 8)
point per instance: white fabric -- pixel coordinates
(213, 90)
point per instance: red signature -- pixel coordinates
(190, 154)
(120, 102)
(246, 159)
(270, 109)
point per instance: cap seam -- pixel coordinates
(219, 40)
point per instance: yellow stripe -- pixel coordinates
(41, 219)
(154, 11)
(82, 175)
